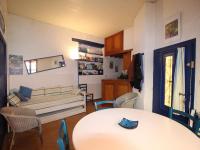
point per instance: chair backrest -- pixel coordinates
(83, 87)
(63, 139)
(196, 122)
(126, 100)
(20, 119)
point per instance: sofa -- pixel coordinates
(56, 103)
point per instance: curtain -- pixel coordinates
(179, 81)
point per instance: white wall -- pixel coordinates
(144, 35)
(129, 38)
(34, 39)
(149, 35)
(139, 33)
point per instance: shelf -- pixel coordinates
(90, 69)
(119, 54)
(91, 74)
(89, 61)
(91, 53)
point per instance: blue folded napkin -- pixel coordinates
(128, 124)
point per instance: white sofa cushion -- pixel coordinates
(67, 89)
(37, 92)
(52, 91)
(40, 102)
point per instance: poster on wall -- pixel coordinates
(172, 28)
(15, 64)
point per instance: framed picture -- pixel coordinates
(116, 68)
(15, 65)
(111, 65)
(172, 28)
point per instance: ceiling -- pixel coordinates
(96, 17)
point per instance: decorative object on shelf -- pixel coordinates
(123, 75)
(15, 65)
(2, 23)
(90, 60)
(90, 50)
(90, 68)
(44, 64)
(111, 65)
(116, 68)
(172, 28)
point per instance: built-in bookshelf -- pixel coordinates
(89, 64)
(90, 60)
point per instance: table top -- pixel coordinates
(100, 131)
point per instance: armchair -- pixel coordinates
(20, 120)
(127, 100)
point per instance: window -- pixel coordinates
(31, 66)
(168, 81)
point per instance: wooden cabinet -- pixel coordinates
(126, 60)
(111, 89)
(118, 42)
(108, 89)
(114, 43)
(108, 45)
(122, 88)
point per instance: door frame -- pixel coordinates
(158, 90)
(3, 122)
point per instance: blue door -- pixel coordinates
(164, 67)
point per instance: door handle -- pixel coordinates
(182, 94)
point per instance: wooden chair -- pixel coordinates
(83, 87)
(195, 128)
(63, 139)
(20, 120)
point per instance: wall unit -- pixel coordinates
(113, 88)
(114, 43)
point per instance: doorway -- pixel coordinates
(3, 86)
(163, 76)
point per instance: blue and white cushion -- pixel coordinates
(13, 100)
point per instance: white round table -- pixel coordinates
(100, 131)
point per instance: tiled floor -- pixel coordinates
(30, 141)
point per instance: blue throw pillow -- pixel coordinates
(21, 97)
(25, 91)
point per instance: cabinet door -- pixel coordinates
(108, 45)
(118, 42)
(108, 91)
(126, 60)
(122, 88)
